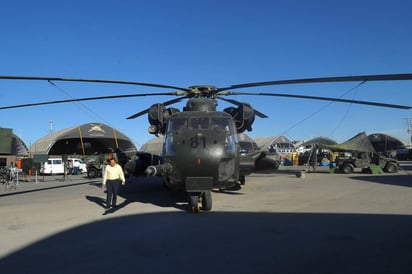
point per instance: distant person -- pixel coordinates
(103, 169)
(70, 167)
(76, 167)
(112, 177)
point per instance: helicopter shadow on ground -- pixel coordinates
(234, 190)
(395, 180)
(146, 190)
(405, 166)
(150, 190)
(402, 178)
(293, 171)
(224, 242)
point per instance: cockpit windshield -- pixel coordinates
(178, 123)
(222, 124)
(200, 132)
(200, 123)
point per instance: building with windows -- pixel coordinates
(276, 144)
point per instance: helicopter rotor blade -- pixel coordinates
(167, 103)
(190, 92)
(237, 103)
(365, 78)
(35, 78)
(325, 99)
(87, 99)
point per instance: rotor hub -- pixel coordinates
(203, 91)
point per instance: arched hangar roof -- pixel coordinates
(10, 144)
(153, 146)
(320, 140)
(383, 142)
(265, 142)
(88, 139)
(19, 148)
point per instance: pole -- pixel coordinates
(409, 133)
(314, 157)
(17, 175)
(115, 138)
(81, 141)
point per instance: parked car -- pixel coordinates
(52, 166)
(82, 167)
(56, 166)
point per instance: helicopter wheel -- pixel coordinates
(206, 201)
(242, 180)
(194, 202)
(165, 182)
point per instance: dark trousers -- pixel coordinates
(112, 190)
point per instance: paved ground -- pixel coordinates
(277, 223)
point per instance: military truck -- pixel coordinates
(95, 162)
(347, 162)
(94, 166)
(358, 152)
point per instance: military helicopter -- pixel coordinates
(201, 149)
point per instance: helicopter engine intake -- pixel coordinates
(244, 116)
(158, 116)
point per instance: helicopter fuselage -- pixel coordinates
(201, 149)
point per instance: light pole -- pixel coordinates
(409, 121)
(51, 126)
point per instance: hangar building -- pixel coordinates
(391, 146)
(384, 143)
(306, 146)
(279, 144)
(11, 147)
(87, 139)
(153, 146)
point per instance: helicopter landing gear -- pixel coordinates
(242, 180)
(206, 201)
(205, 198)
(194, 202)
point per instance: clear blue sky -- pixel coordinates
(220, 43)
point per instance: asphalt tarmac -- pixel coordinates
(276, 223)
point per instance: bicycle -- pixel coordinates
(9, 179)
(3, 175)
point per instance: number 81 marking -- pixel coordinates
(196, 141)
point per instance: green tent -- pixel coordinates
(359, 143)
